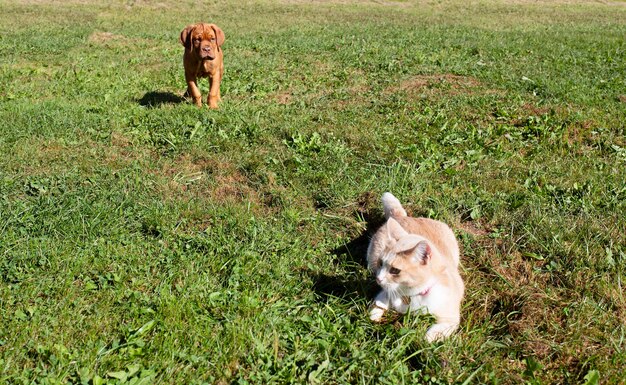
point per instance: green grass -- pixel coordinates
(143, 240)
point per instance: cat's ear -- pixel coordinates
(422, 252)
(416, 247)
(394, 230)
(408, 243)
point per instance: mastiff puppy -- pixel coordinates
(203, 58)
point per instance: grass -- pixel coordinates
(143, 240)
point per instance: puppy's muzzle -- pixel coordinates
(206, 53)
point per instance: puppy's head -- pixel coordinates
(204, 40)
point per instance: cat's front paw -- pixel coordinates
(377, 312)
(433, 335)
(438, 332)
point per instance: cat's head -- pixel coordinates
(405, 265)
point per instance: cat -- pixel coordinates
(415, 261)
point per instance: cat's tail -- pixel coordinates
(392, 206)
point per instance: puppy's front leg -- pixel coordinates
(214, 92)
(194, 91)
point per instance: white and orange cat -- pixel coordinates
(415, 261)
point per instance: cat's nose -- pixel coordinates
(379, 281)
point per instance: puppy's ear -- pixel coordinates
(219, 35)
(185, 36)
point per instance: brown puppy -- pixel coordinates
(203, 58)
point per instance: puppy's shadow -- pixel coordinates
(158, 98)
(355, 282)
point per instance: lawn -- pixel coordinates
(144, 240)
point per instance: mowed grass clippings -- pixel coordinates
(144, 240)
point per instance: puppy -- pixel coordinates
(203, 58)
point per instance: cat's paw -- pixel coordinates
(439, 332)
(376, 315)
(434, 335)
(377, 312)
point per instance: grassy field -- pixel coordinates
(144, 240)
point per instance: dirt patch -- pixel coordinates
(181, 178)
(521, 272)
(430, 81)
(387, 3)
(531, 109)
(474, 228)
(105, 37)
(149, 4)
(440, 84)
(122, 152)
(184, 164)
(522, 304)
(357, 96)
(195, 182)
(284, 98)
(528, 110)
(230, 185)
(580, 132)
(185, 178)
(341, 97)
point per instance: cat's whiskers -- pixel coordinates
(393, 294)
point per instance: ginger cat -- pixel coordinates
(415, 261)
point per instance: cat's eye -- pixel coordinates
(394, 271)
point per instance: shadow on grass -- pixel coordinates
(158, 98)
(332, 286)
(353, 253)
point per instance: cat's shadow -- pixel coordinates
(354, 282)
